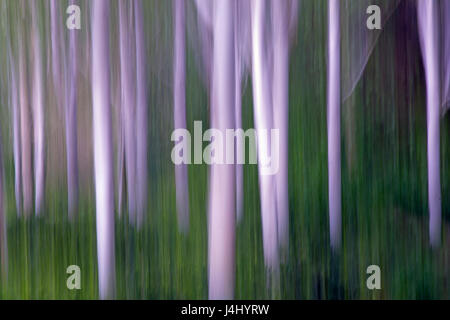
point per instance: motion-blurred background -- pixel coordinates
(50, 74)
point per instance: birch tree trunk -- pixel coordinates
(334, 124)
(428, 12)
(71, 126)
(222, 215)
(128, 82)
(103, 149)
(25, 133)
(38, 118)
(263, 113)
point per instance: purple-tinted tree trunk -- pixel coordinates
(104, 193)
(445, 36)
(128, 82)
(222, 216)
(280, 87)
(141, 113)
(429, 27)
(38, 118)
(204, 9)
(25, 133)
(179, 78)
(242, 55)
(334, 124)
(71, 125)
(263, 113)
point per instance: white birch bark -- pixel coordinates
(428, 12)
(334, 124)
(104, 196)
(263, 114)
(222, 216)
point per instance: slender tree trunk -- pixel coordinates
(103, 149)
(334, 124)
(179, 76)
(71, 126)
(119, 132)
(120, 136)
(263, 113)
(38, 119)
(222, 216)
(429, 24)
(204, 9)
(141, 113)
(128, 82)
(445, 45)
(280, 86)
(25, 133)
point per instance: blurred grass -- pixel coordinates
(384, 190)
